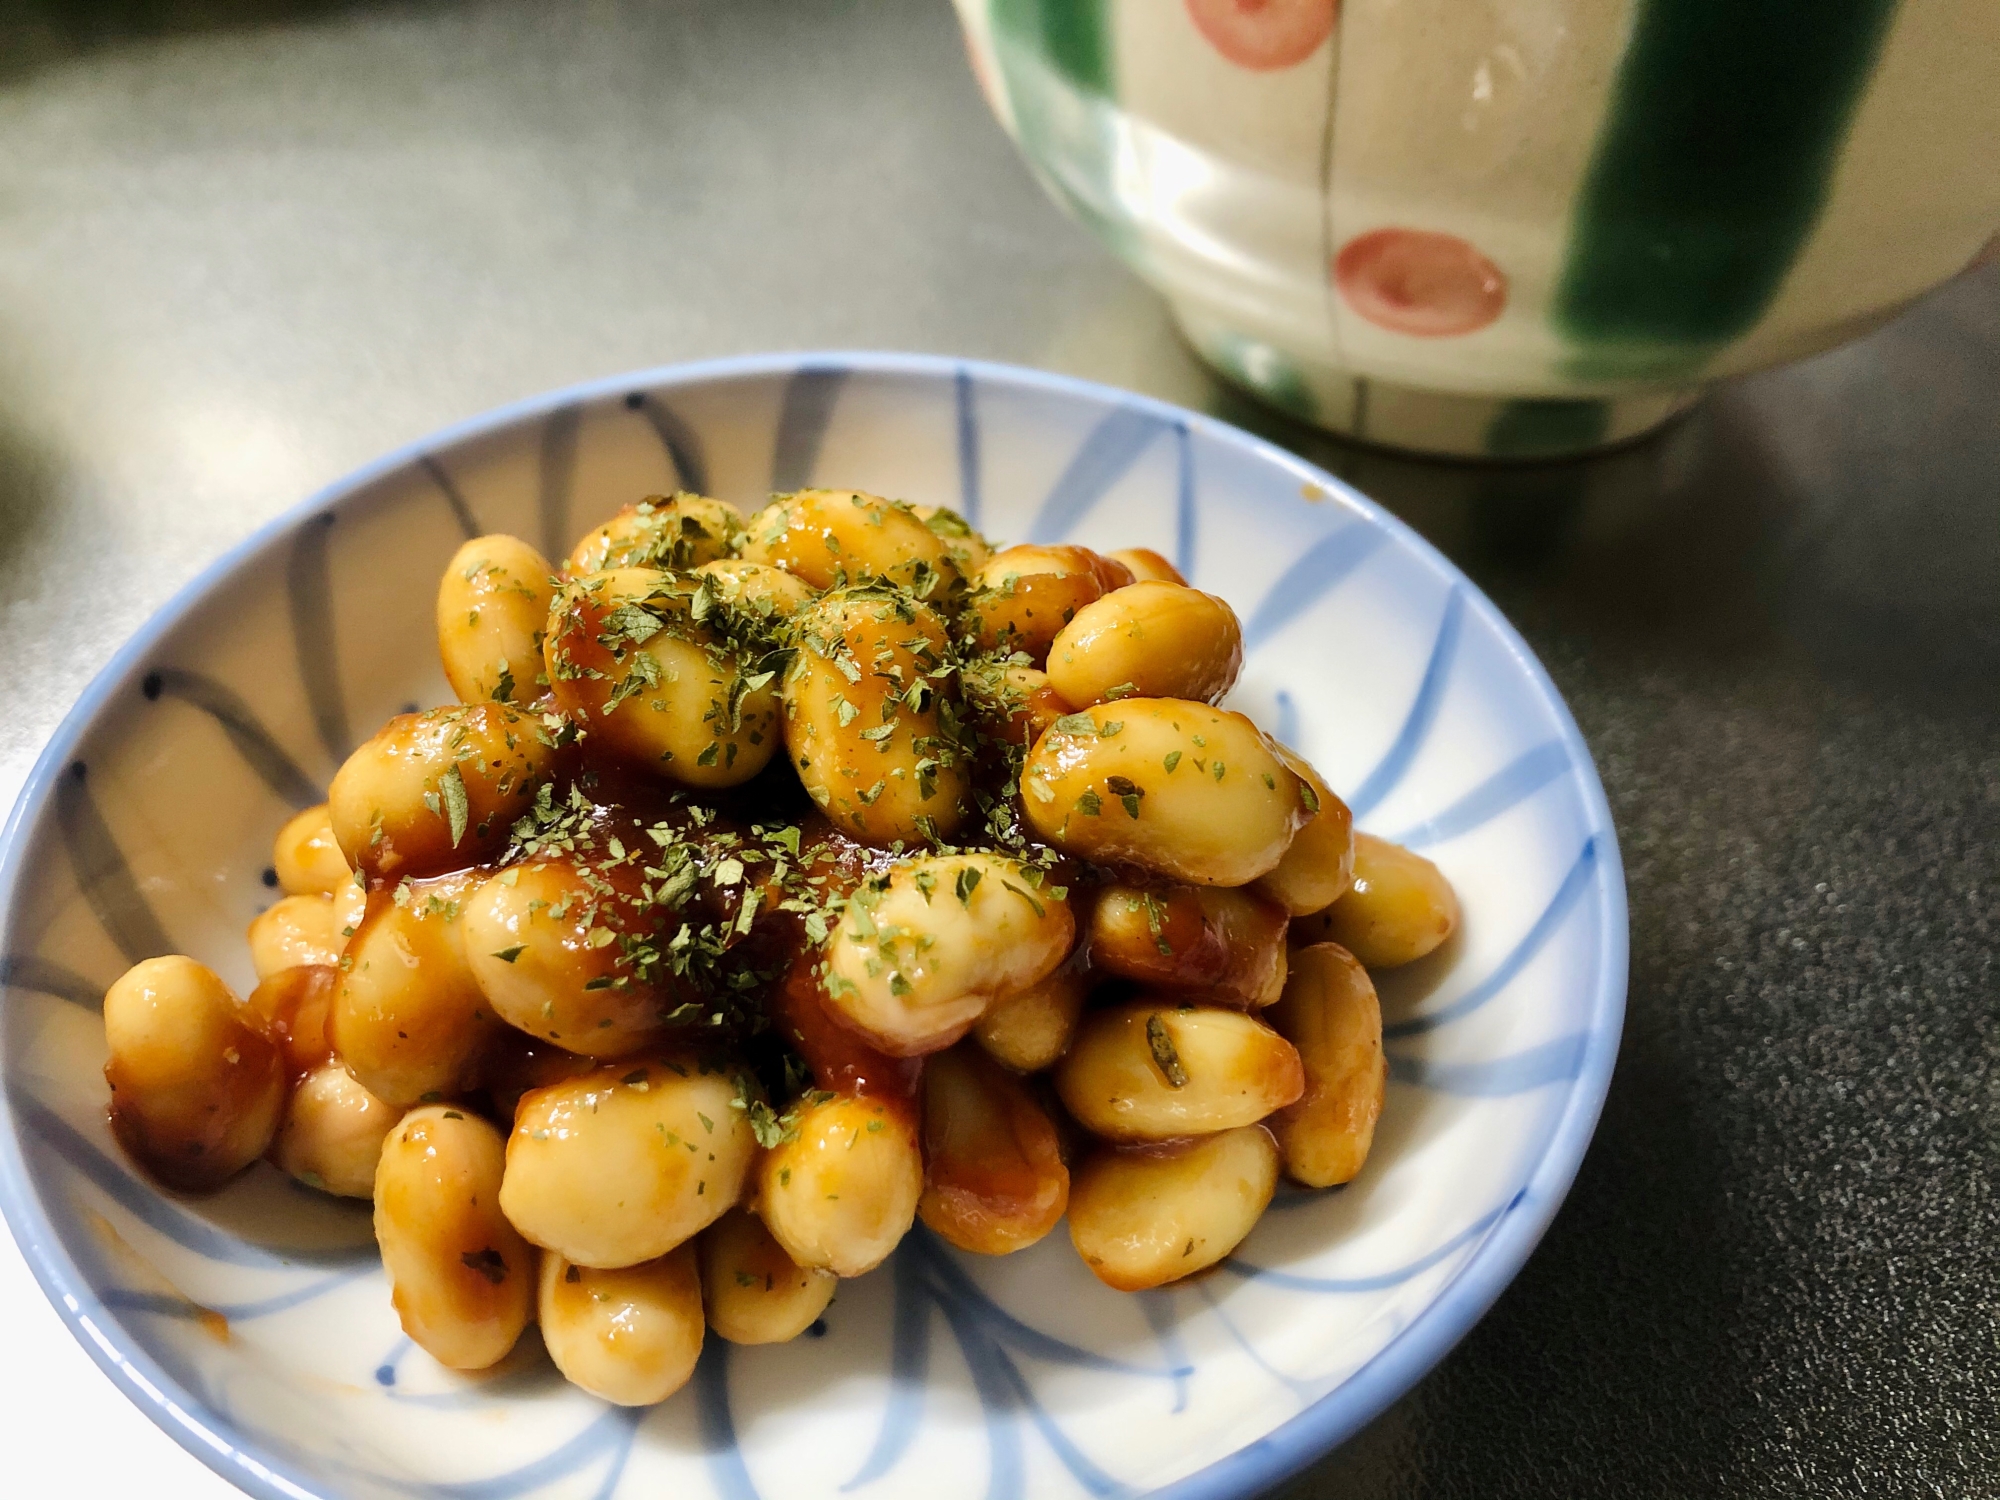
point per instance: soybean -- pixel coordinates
(841, 1193)
(630, 1336)
(966, 548)
(333, 1133)
(292, 932)
(1399, 908)
(872, 722)
(543, 941)
(1331, 1014)
(409, 1019)
(492, 606)
(1144, 564)
(196, 1087)
(1319, 866)
(656, 686)
(306, 857)
(766, 594)
(1150, 1071)
(1011, 703)
(1143, 1217)
(674, 533)
(439, 791)
(921, 952)
(1151, 640)
(622, 1164)
(1029, 1029)
(1180, 789)
(754, 1292)
(294, 1008)
(1023, 596)
(835, 537)
(994, 1179)
(1208, 942)
(461, 1279)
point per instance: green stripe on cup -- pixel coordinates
(1072, 34)
(1537, 427)
(1713, 165)
(1055, 61)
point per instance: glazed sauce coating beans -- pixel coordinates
(438, 791)
(1144, 1216)
(1214, 943)
(766, 593)
(842, 1192)
(1146, 565)
(307, 857)
(653, 676)
(1330, 1013)
(835, 537)
(1029, 1029)
(1319, 866)
(1013, 704)
(842, 1062)
(196, 1087)
(1151, 1071)
(350, 905)
(754, 1292)
(920, 954)
(492, 606)
(872, 718)
(532, 940)
(1151, 640)
(750, 1021)
(293, 931)
(294, 1008)
(624, 1163)
(677, 532)
(409, 1019)
(1180, 789)
(461, 1279)
(966, 548)
(994, 1179)
(333, 1133)
(1399, 908)
(514, 1065)
(1023, 596)
(629, 1336)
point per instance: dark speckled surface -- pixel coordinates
(1779, 628)
(247, 244)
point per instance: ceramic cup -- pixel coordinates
(1509, 228)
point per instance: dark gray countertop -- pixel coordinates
(247, 244)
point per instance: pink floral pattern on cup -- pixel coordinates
(1420, 282)
(1264, 35)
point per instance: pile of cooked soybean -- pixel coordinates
(776, 882)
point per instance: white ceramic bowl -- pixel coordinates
(255, 1325)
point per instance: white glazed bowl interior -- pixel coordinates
(255, 1326)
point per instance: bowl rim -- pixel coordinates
(1334, 1417)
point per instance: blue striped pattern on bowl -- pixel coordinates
(255, 1326)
